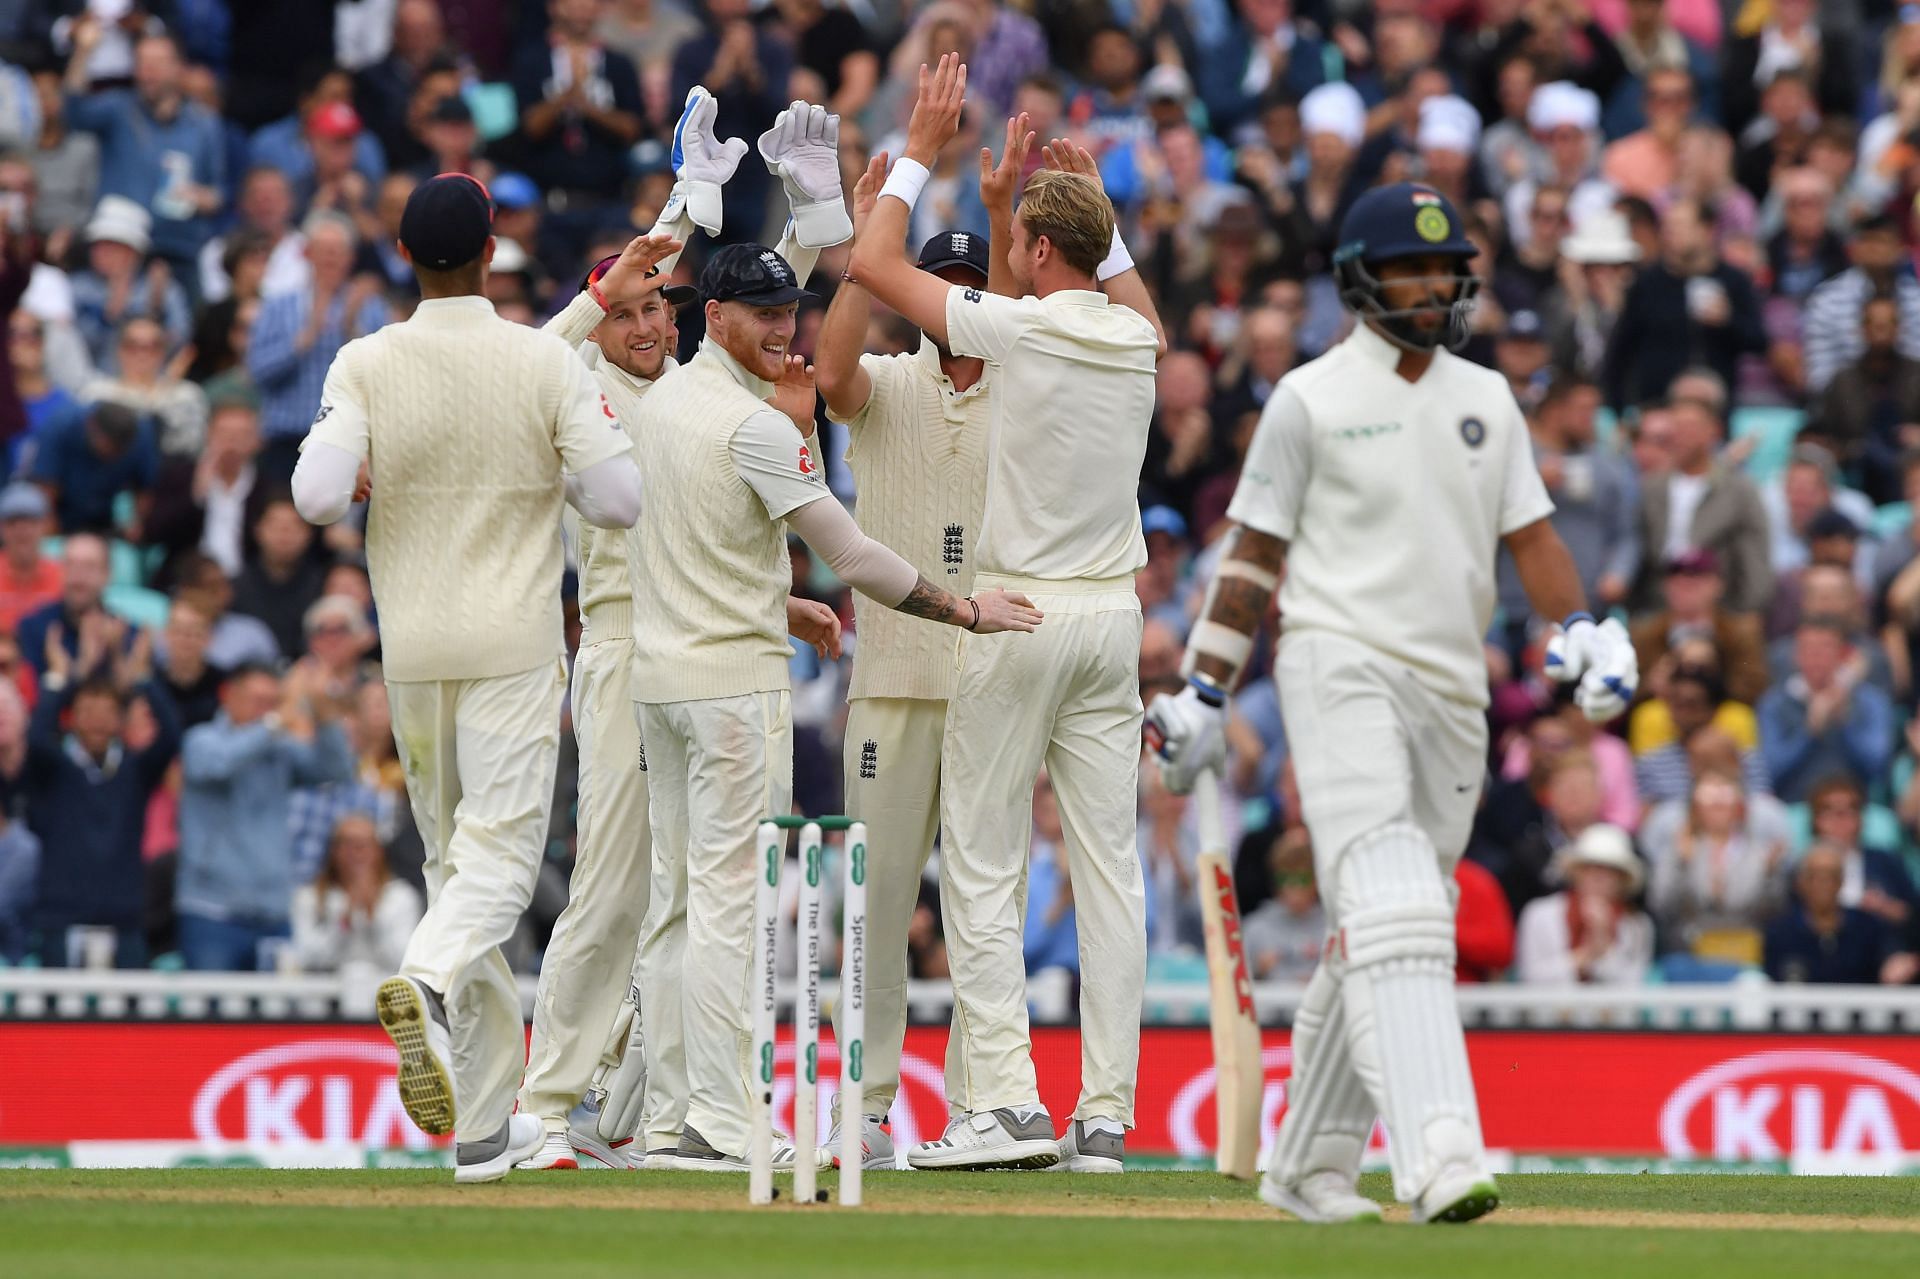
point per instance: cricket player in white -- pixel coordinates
(731, 475)
(1384, 476)
(586, 1062)
(1072, 405)
(465, 423)
(917, 443)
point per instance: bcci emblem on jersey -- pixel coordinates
(1473, 431)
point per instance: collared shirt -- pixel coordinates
(291, 381)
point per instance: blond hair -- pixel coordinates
(1073, 213)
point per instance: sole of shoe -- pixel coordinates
(655, 1161)
(426, 1088)
(1019, 1156)
(1288, 1202)
(1482, 1198)
(500, 1165)
(565, 1163)
(1088, 1163)
(693, 1163)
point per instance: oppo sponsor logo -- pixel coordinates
(311, 1091)
(1812, 1102)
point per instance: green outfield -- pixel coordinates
(210, 1224)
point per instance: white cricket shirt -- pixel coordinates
(1392, 497)
(1070, 414)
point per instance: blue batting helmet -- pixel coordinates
(1394, 223)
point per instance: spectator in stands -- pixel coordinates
(151, 385)
(1482, 925)
(1692, 698)
(1590, 931)
(235, 639)
(158, 149)
(384, 91)
(1565, 122)
(1830, 590)
(452, 141)
(79, 610)
(1875, 879)
(1561, 728)
(86, 779)
(1051, 939)
(1285, 934)
(354, 915)
(1566, 786)
(1712, 884)
(282, 578)
(1818, 939)
(324, 118)
(114, 289)
(1808, 487)
(29, 579)
(266, 210)
(19, 849)
(1646, 163)
(86, 466)
(1596, 269)
(189, 679)
(66, 167)
(1694, 589)
(1834, 309)
(1870, 410)
(1787, 37)
(1688, 306)
(580, 106)
(236, 881)
(1704, 503)
(338, 638)
(298, 334)
(212, 502)
(832, 45)
(46, 405)
(1827, 718)
(1806, 251)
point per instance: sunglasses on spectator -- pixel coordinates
(142, 344)
(335, 629)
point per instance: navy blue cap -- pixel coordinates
(750, 273)
(954, 248)
(447, 221)
(1404, 220)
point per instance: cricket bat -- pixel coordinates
(1239, 1076)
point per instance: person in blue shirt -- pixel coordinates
(1826, 719)
(1051, 937)
(236, 876)
(1816, 939)
(325, 111)
(86, 464)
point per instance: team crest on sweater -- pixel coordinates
(1473, 431)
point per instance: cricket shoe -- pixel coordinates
(583, 1134)
(990, 1139)
(696, 1154)
(1324, 1198)
(1089, 1146)
(493, 1157)
(876, 1145)
(1460, 1192)
(659, 1159)
(416, 1020)
(555, 1152)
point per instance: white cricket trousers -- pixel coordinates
(590, 959)
(715, 769)
(480, 756)
(1066, 696)
(892, 758)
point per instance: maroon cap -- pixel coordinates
(1698, 562)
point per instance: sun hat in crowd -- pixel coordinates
(1604, 845)
(1448, 122)
(1336, 109)
(118, 220)
(1560, 104)
(1601, 238)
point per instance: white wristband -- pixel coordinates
(1118, 260)
(906, 180)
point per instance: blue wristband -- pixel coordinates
(1210, 693)
(1581, 616)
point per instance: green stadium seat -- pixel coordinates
(126, 563)
(1892, 519)
(137, 605)
(1879, 828)
(1773, 431)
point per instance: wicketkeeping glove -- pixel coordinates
(803, 150)
(1188, 733)
(1601, 657)
(701, 162)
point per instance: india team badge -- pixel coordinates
(1473, 431)
(1431, 225)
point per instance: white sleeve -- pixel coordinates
(607, 494)
(777, 463)
(862, 563)
(323, 482)
(1273, 483)
(986, 325)
(585, 429)
(1523, 495)
(342, 420)
(576, 319)
(798, 256)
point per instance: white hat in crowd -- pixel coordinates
(121, 221)
(1563, 103)
(1601, 238)
(1166, 82)
(1336, 109)
(1448, 122)
(1604, 845)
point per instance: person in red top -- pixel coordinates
(1482, 925)
(28, 579)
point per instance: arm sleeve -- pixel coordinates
(585, 430)
(323, 482)
(271, 358)
(607, 494)
(777, 464)
(1541, 955)
(576, 319)
(855, 558)
(1523, 495)
(798, 256)
(984, 324)
(1273, 483)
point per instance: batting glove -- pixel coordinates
(803, 150)
(701, 162)
(1188, 733)
(1601, 657)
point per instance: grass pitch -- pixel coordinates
(210, 1224)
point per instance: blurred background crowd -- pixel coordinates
(1697, 221)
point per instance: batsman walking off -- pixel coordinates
(466, 421)
(1073, 399)
(1384, 476)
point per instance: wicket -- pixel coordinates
(806, 1013)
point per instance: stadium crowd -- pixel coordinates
(1697, 221)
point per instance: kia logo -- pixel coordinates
(1767, 1105)
(309, 1091)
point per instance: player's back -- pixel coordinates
(1074, 404)
(462, 530)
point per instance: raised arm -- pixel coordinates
(581, 316)
(843, 336)
(1120, 279)
(802, 149)
(999, 186)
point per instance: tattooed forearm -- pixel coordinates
(928, 600)
(1236, 605)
